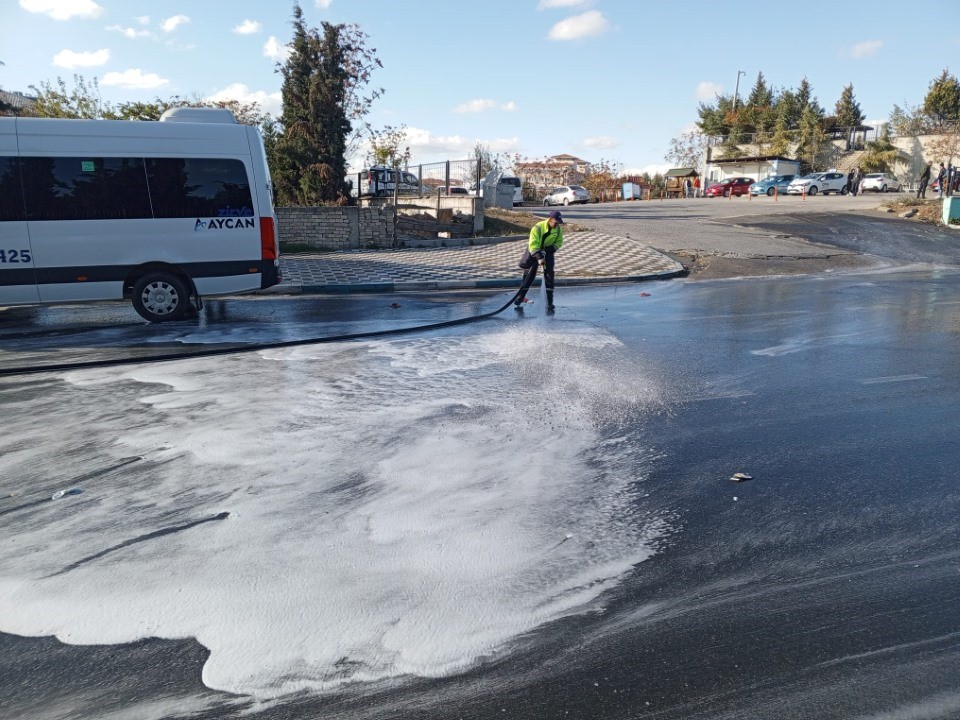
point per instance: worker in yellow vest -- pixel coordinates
(546, 237)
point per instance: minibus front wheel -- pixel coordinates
(161, 297)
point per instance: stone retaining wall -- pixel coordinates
(337, 228)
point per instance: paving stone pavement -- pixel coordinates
(586, 257)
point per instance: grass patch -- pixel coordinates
(904, 202)
(499, 222)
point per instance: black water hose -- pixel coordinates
(212, 352)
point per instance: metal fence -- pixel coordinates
(854, 137)
(447, 177)
(449, 174)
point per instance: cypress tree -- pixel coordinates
(847, 109)
(761, 95)
(780, 142)
(811, 137)
(309, 162)
(942, 103)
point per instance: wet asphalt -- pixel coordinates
(827, 586)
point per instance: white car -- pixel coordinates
(567, 195)
(881, 182)
(825, 182)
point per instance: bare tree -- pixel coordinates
(385, 147)
(686, 150)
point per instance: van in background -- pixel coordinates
(517, 187)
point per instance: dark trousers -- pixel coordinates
(529, 263)
(922, 190)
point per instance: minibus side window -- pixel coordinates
(195, 188)
(84, 188)
(11, 193)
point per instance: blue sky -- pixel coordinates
(600, 79)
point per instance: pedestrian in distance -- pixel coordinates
(850, 176)
(941, 177)
(696, 187)
(924, 181)
(857, 181)
(688, 188)
(546, 237)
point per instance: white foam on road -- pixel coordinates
(396, 507)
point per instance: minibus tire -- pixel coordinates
(167, 297)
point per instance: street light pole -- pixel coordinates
(736, 92)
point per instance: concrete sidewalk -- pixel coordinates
(586, 257)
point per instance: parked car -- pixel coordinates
(730, 186)
(881, 182)
(567, 195)
(453, 190)
(825, 182)
(767, 185)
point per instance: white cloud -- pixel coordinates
(134, 79)
(171, 23)
(707, 90)
(866, 48)
(70, 59)
(269, 102)
(484, 104)
(323, 4)
(144, 19)
(475, 106)
(426, 147)
(129, 32)
(63, 9)
(248, 27)
(589, 24)
(601, 142)
(275, 50)
(547, 4)
(652, 168)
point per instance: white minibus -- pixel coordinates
(155, 212)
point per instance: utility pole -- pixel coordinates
(736, 92)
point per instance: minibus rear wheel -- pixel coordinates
(161, 297)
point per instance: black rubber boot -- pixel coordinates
(550, 306)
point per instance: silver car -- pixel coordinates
(824, 182)
(567, 195)
(881, 182)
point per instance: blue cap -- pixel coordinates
(556, 216)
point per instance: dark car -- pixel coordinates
(730, 186)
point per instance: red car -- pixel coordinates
(731, 186)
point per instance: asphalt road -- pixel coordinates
(524, 517)
(570, 473)
(732, 237)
